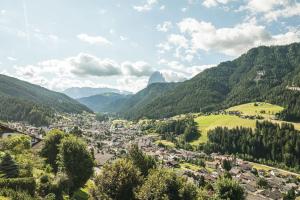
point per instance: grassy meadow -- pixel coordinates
(206, 123)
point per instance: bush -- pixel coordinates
(15, 195)
(23, 184)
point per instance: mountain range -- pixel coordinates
(262, 74)
(269, 74)
(80, 92)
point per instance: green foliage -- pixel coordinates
(8, 167)
(191, 133)
(261, 143)
(24, 184)
(229, 189)
(142, 161)
(262, 183)
(50, 149)
(101, 117)
(226, 164)
(290, 195)
(76, 161)
(165, 184)
(117, 181)
(15, 194)
(16, 143)
(76, 131)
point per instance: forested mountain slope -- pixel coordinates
(21, 100)
(262, 74)
(108, 102)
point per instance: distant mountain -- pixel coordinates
(127, 105)
(132, 106)
(77, 92)
(23, 101)
(262, 74)
(108, 102)
(156, 77)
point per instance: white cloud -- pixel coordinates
(123, 38)
(164, 27)
(73, 71)
(175, 71)
(214, 3)
(271, 10)
(146, 7)
(162, 7)
(138, 69)
(2, 12)
(228, 40)
(85, 64)
(178, 40)
(184, 9)
(10, 58)
(93, 39)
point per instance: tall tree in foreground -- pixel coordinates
(117, 181)
(8, 167)
(165, 184)
(141, 160)
(76, 161)
(229, 189)
(50, 149)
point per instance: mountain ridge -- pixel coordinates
(261, 74)
(25, 101)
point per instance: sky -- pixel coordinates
(118, 43)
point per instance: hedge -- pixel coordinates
(24, 184)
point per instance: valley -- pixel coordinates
(231, 127)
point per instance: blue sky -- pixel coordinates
(119, 43)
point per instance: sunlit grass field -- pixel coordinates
(206, 123)
(251, 109)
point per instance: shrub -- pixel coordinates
(15, 195)
(24, 184)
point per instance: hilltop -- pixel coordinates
(23, 101)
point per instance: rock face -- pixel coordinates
(156, 77)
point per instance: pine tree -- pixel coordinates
(8, 167)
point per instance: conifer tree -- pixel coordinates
(8, 167)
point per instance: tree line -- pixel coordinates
(268, 142)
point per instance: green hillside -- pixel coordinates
(133, 107)
(262, 74)
(108, 102)
(23, 101)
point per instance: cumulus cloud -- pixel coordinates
(85, 64)
(271, 10)
(175, 71)
(58, 74)
(138, 69)
(164, 27)
(146, 7)
(213, 3)
(200, 35)
(94, 39)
